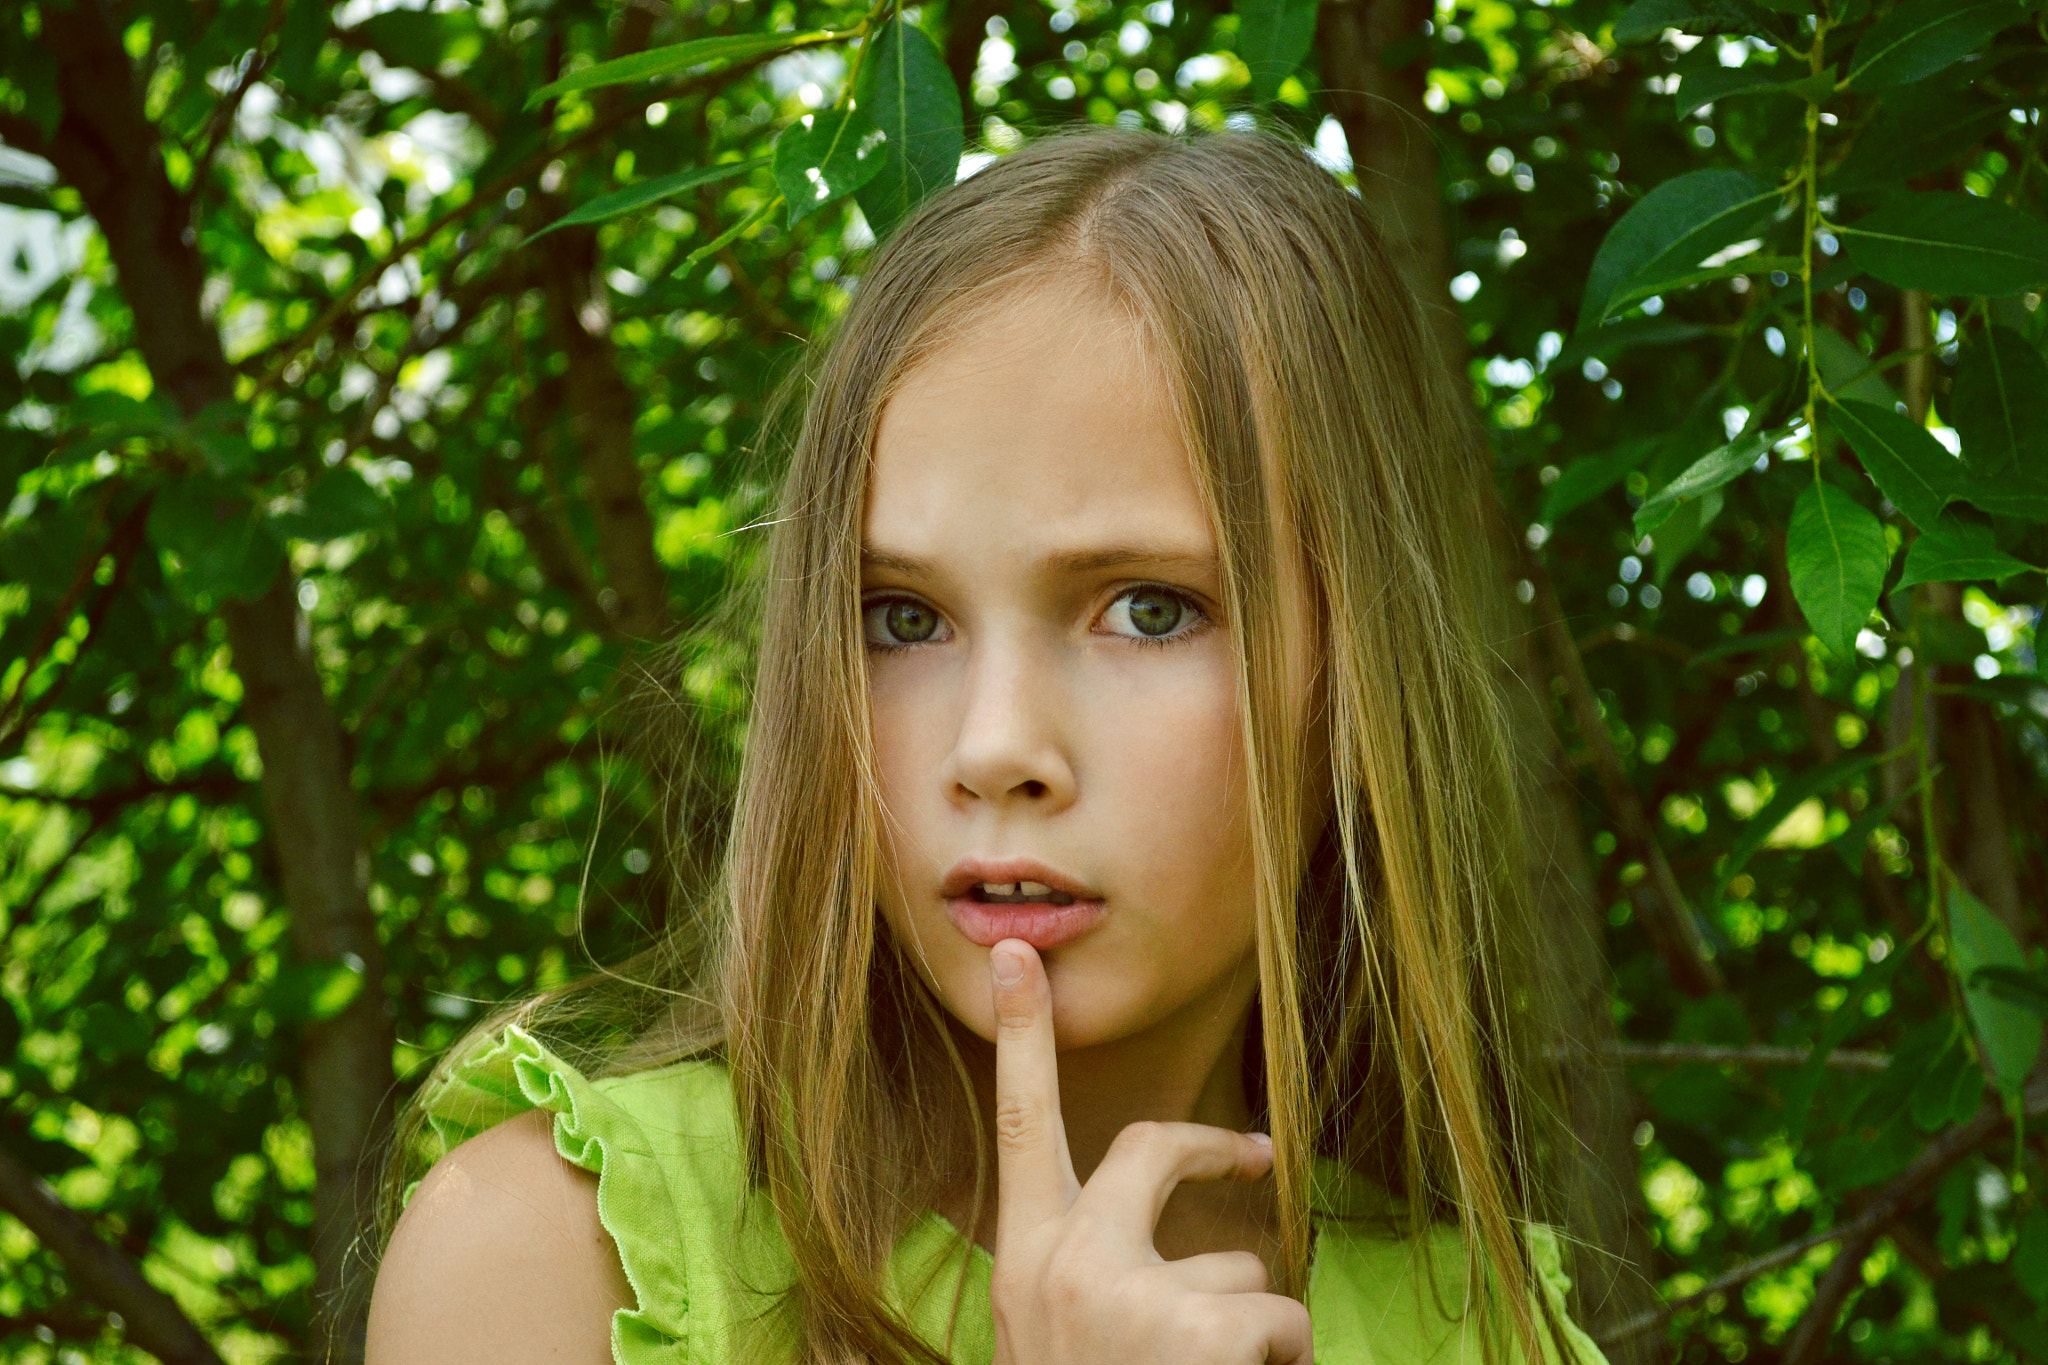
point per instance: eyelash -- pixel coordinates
(1203, 621)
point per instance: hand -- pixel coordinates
(1077, 1280)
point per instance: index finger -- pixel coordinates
(1034, 1175)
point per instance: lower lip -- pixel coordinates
(1041, 926)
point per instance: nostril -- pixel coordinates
(1034, 788)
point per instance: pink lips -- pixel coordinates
(1042, 926)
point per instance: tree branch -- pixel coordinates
(1658, 901)
(1678, 1054)
(150, 1318)
(1894, 1201)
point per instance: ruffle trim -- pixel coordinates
(511, 1073)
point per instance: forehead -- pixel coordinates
(1045, 417)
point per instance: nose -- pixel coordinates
(1009, 751)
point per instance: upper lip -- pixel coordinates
(971, 872)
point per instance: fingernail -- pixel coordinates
(1263, 1139)
(1007, 965)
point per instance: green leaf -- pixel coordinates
(1954, 550)
(1588, 477)
(1836, 553)
(223, 546)
(1949, 1092)
(1912, 469)
(1721, 465)
(1999, 405)
(1624, 335)
(1847, 372)
(1272, 38)
(667, 61)
(338, 503)
(2029, 1260)
(826, 156)
(298, 46)
(1682, 532)
(907, 90)
(1646, 20)
(1788, 798)
(646, 192)
(2026, 989)
(1918, 129)
(1715, 83)
(1950, 243)
(1668, 233)
(2009, 1034)
(1922, 37)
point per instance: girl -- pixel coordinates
(1128, 779)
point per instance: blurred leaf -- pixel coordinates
(1999, 405)
(2027, 989)
(1712, 84)
(1849, 845)
(338, 503)
(1847, 372)
(1949, 1091)
(1954, 550)
(223, 545)
(826, 156)
(1668, 233)
(1272, 38)
(1836, 555)
(607, 206)
(1680, 533)
(299, 44)
(1912, 469)
(1921, 37)
(1646, 20)
(907, 90)
(1918, 129)
(1950, 243)
(680, 57)
(2009, 1034)
(1717, 467)
(1589, 476)
(1788, 798)
(1627, 334)
(2029, 1259)
(310, 992)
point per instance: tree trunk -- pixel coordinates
(1393, 153)
(1393, 149)
(109, 151)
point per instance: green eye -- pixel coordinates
(899, 621)
(1153, 611)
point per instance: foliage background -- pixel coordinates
(341, 522)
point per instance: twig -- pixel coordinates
(1676, 1054)
(1657, 898)
(1893, 1202)
(152, 1320)
(123, 544)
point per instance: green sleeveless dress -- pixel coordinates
(706, 1259)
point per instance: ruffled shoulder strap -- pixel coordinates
(703, 1256)
(1379, 1299)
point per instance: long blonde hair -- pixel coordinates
(1400, 1029)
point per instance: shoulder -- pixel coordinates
(500, 1257)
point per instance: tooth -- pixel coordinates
(1000, 888)
(1033, 889)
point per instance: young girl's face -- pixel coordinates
(1052, 680)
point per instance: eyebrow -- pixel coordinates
(1064, 561)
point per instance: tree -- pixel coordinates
(360, 583)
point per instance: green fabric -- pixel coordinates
(707, 1262)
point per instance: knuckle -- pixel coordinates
(1251, 1266)
(1015, 1012)
(1146, 1135)
(1019, 1124)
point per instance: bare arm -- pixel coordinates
(499, 1260)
